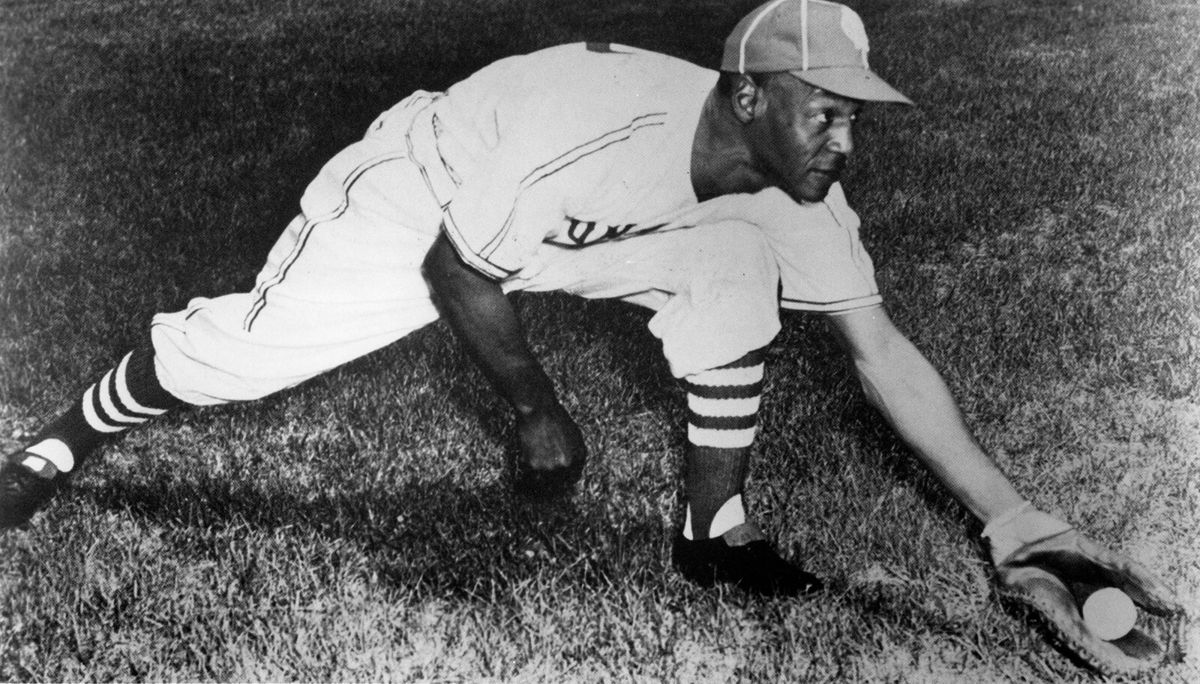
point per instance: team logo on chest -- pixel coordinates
(586, 232)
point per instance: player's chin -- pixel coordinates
(811, 187)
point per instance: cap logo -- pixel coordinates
(853, 27)
(820, 42)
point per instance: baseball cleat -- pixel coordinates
(23, 491)
(743, 557)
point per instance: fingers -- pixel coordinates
(551, 454)
(1075, 558)
(550, 443)
(1143, 586)
(1050, 598)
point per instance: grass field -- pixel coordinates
(1034, 225)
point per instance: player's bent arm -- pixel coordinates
(552, 447)
(485, 322)
(910, 394)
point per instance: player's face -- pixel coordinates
(805, 138)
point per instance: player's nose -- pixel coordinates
(841, 140)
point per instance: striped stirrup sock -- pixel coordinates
(722, 421)
(126, 396)
(723, 403)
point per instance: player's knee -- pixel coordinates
(204, 358)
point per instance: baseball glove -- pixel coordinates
(1053, 574)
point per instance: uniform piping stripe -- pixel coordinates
(804, 35)
(526, 183)
(839, 306)
(567, 159)
(307, 230)
(750, 31)
(476, 261)
(582, 150)
(450, 172)
(132, 405)
(93, 418)
(408, 142)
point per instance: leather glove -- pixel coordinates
(1050, 567)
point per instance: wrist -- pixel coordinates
(531, 393)
(1024, 524)
(998, 522)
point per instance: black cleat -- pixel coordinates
(741, 557)
(23, 491)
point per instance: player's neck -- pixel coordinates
(721, 161)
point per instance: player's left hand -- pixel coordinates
(1052, 572)
(551, 453)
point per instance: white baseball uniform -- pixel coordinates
(567, 169)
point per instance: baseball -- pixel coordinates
(1109, 613)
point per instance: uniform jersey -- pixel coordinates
(571, 145)
(565, 170)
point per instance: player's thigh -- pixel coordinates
(343, 280)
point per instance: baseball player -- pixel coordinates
(607, 172)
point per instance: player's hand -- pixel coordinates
(551, 453)
(1050, 567)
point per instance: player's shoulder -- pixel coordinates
(599, 66)
(839, 205)
(601, 52)
(773, 201)
(567, 95)
(837, 196)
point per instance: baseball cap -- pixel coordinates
(822, 43)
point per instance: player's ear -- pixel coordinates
(747, 98)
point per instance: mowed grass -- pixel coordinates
(1034, 225)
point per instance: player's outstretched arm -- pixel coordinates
(913, 398)
(1040, 560)
(552, 448)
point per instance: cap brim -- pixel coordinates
(852, 82)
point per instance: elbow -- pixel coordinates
(897, 375)
(444, 271)
(885, 371)
(434, 265)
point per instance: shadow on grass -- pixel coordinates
(441, 539)
(813, 378)
(604, 362)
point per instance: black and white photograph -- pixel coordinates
(648, 340)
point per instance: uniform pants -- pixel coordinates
(345, 279)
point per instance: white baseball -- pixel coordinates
(1109, 613)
